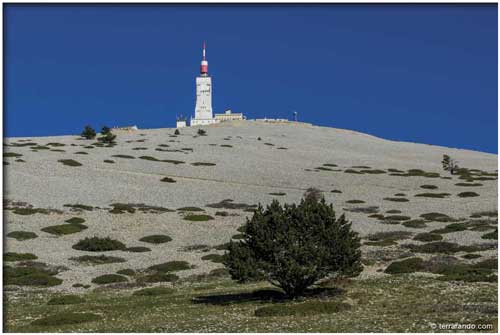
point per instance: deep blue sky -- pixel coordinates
(425, 73)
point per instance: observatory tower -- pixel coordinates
(203, 111)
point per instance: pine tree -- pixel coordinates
(177, 132)
(294, 246)
(105, 130)
(88, 133)
(449, 164)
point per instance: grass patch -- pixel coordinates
(451, 228)
(352, 171)
(11, 154)
(168, 180)
(354, 201)
(397, 218)
(190, 209)
(95, 244)
(467, 194)
(229, 204)
(64, 229)
(96, 260)
(302, 309)
(124, 156)
(171, 266)
(393, 211)
(69, 162)
(126, 272)
(389, 235)
(158, 278)
(137, 249)
(427, 237)
(397, 199)
(375, 171)
(198, 217)
(75, 220)
(446, 248)
(491, 236)
(29, 276)
(66, 318)
(156, 239)
(439, 217)
(154, 291)
(432, 195)
(70, 299)
(22, 235)
(15, 257)
(109, 279)
(213, 258)
(202, 164)
(408, 265)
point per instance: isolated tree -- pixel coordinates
(202, 132)
(107, 136)
(88, 133)
(294, 246)
(177, 132)
(449, 164)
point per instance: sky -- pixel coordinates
(418, 73)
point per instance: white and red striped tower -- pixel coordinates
(203, 111)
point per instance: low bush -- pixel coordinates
(22, 235)
(137, 249)
(491, 236)
(64, 229)
(336, 191)
(202, 164)
(397, 218)
(168, 180)
(467, 194)
(415, 223)
(109, 279)
(352, 171)
(70, 299)
(109, 161)
(81, 153)
(154, 291)
(66, 318)
(405, 266)
(119, 208)
(393, 211)
(126, 272)
(79, 207)
(302, 309)
(29, 276)
(221, 213)
(11, 154)
(198, 217)
(156, 239)
(69, 162)
(468, 184)
(124, 156)
(433, 195)
(451, 228)
(75, 220)
(471, 256)
(429, 187)
(171, 266)
(278, 194)
(427, 237)
(389, 235)
(355, 201)
(158, 277)
(190, 209)
(439, 217)
(446, 247)
(96, 260)
(98, 244)
(213, 258)
(15, 257)
(397, 199)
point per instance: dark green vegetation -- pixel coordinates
(88, 133)
(415, 223)
(22, 235)
(154, 291)
(198, 217)
(69, 162)
(137, 249)
(70, 299)
(168, 180)
(451, 228)
(75, 220)
(124, 156)
(171, 266)
(96, 260)
(397, 199)
(279, 194)
(427, 237)
(66, 318)
(14, 257)
(218, 305)
(429, 187)
(107, 136)
(109, 279)
(190, 209)
(302, 309)
(11, 154)
(81, 153)
(294, 246)
(109, 161)
(447, 247)
(156, 239)
(449, 164)
(126, 272)
(202, 164)
(405, 266)
(355, 201)
(432, 195)
(468, 184)
(98, 244)
(213, 258)
(65, 229)
(120, 208)
(30, 275)
(416, 173)
(79, 207)
(491, 236)
(439, 217)
(467, 194)
(229, 204)
(201, 132)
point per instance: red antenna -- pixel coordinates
(204, 63)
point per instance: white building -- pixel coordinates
(228, 115)
(203, 111)
(181, 122)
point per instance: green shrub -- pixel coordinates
(439, 217)
(202, 164)
(69, 162)
(168, 180)
(429, 187)
(88, 133)
(177, 132)
(397, 218)
(64, 229)
(70, 299)
(451, 228)
(81, 153)
(295, 246)
(352, 171)
(66, 318)
(198, 217)
(100, 259)
(374, 171)
(221, 213)
(397, 199)
(22, 235)
(98, 244)
(405, 266)
(109, 279)
(154, 291)
(79, 206)
(11, 154)
(278, 194)
(137, 249)
(491, 236)
(389, 235)
(302, 309)
(119, 208)
(149, 158)
(109, 161)
(432, 195)
(446, 247)
(427, 237)
(78, 285)
(468, 184)
(171, 266)
(29, 276)
(172, 161)
(14, 257)
(471, 256)
(336, 191)
(381, 243)
(126, 272)
(158, 277)
(213, 258)
(355, 201)
(202, 132)
(156, 239)
(393, 211)
(124, 156)
(190, 209)
(467, 194)
(75, 220)
(415, 223)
